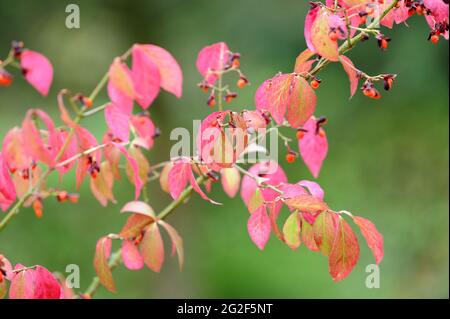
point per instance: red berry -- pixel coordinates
(5, 78)
(434, 38)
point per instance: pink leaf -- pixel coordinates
(145, 129)
(131, 257)
(178, 178)
(118, 122)
(169, 69)
(212, 58)
(177, 242)
(38, 148)
(274, 175)
(22, 284)
(152, 248)
(313, 146)
(146, 76)
(38, 70)
(313, 188)
(120, 88)
(138, 184)
(259, 227)
(373, 238)
(46, 286)
(7, 189)
(302, 64)
(310, 18)
(138, 207)
(350, 69)
(14, 152)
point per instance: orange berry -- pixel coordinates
(434, 38)
(333, 35)
(1, 276)
(241, 82)
(315, 84)
(235, 64)
(383, 44)
(290, 157)
(300, 134)
(86, 101)
(322, 132)
(211, 101)
(37, 207)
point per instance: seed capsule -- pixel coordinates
(38, 208)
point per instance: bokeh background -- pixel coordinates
(388, 159)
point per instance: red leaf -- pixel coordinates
(46, 286)
(152, 248)
(287, 92)
(373, 238)
(131, 257)
(313, 146)
(258, 226)
(38, 70)
(350, 69)
(212, 58)
(345, 252)
(102, 252)
(177, 242)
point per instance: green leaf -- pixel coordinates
(325, 227)
(291, 231)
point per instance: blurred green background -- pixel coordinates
(388, 159)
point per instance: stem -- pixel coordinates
(115, 258)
